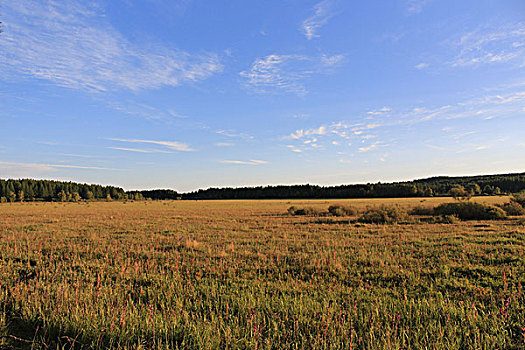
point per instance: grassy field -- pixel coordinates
(245, 274)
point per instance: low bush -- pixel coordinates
(470, 211)
(446, 219)
(420, 210)
(307, 211)
(513, 208)
(384, 215)
(340, 210)
(519, 198)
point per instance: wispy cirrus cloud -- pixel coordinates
(308, 132)
(416, 6)
(234, 134)
(323, 11)
(287, 73)
(72, 45)
(366, 132)
(380, 111)
(171, 145)
(37, 166)
(139, 150)
(144, 110)
(372, 147)
(244, 162)
(489, 45)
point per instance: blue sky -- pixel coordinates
(189, 94)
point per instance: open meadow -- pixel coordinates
(248, 275)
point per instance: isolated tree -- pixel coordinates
(62, 196)
(473, 188)
(89, 195)
(459, 192)
(11, 196)
(20, 196)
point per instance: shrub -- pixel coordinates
(470, 211)
(340, 210)
(420, 210)
(384, 215)
(459, 192)
(447, 219)
(513, 208)
(519, 198)
(309, 211)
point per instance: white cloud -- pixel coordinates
(323, 11)
(173, 145)
(331, 61)
(294, 149)
(224, 144)
(302, 133)
(416, 6)
(503, 102)
(139, 150)
(234, 134)
(422, 65)
(287, 73)
(46, 167)
(371, 147)
(242, 162)
(71, 44)
(490, 46)
(379, 111)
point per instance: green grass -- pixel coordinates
(245, 274)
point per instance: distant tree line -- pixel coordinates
(153, 194)
(437, 186)
(48, 190)
(459, 187)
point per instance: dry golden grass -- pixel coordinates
(244, 274)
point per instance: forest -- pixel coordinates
(435, 186)
(20, 190)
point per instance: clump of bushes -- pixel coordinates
(307, 211)
(384, 215)
(442, 219)
(519, 198)
(470, 211)
(421, 210)
(340, 210)
(513, 208)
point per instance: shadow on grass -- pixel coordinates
(25, 334)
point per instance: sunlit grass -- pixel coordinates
(245, 274)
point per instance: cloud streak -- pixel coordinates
(286, 73)
(242, 162)
(37, 166)
(323, 11)
(416, 6)
(72, 45)
(491, 46)
(172, 145)
(138, 150)
(375, 124)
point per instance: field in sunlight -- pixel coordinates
(246, 274)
